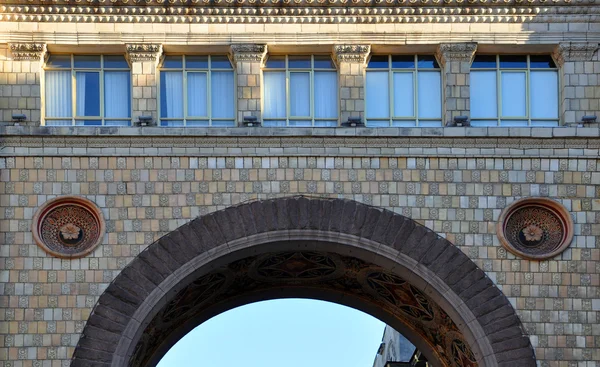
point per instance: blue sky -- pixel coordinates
(285, 332)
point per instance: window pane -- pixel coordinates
(428, 123)
(483, 94)
(484, 123)
(430, 94)
(59, 122)
(403, 61)
(300, 94)
(378, 62)
(541, 62)
(197, 123)
(378, 123)
(171, 123)
(484, 62)
(513, 94)
(196, 62)
(326, 94)
(117, 97)
(87, 61)
(88, 122)
(171, 94)
(513, 61)
(427, 62)
(117, 122)
(196, 93)
(58, 94)
(274, 123)
(513, 123)
(222, 94)
(59, 61)
(544, 94)
(173, 62)
(299, 62)
(323, 62)
(115, 62)
(87, 93)
(274, 94)
(378, 98)
(220, 62)
(223, 123)
(544, 123)
(404, 123)
(276, 62)
(404, 95)
(300, 123)
(325, 123)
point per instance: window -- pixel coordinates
(87, 90)
(514, 90)
(403, 90)
(300, 91)
(197, 91)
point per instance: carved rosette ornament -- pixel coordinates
(574, 51)
(535, 228)
(248, 52)
(140, 52)
(463, 52)
(354, 54)
(68, 227)
(28, 51)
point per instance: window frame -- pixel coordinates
(74, 118)
(415, 74)
(311, 72)
(185, 70)
(499, 102)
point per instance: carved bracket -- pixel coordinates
(574, 51)
(28, 51)
(455, 52)
(355, 54)
(248, 52)
(139, 52)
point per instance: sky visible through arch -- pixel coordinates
(281, 333)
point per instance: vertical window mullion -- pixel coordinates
(311, 94)
(391, 93)
(498, 91)
(209, 92)
(528, 100)
(185, 90)
(101, 91)
(288, 103)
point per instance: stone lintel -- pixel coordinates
(248, 52)
(354, 54)
(574, 51)
(140, 52)
(455, 52)
(28, 51)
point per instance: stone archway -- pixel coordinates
(329, 249)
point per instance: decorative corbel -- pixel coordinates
(354, 54)
(140, 52)
(248, 52)
(574, 51)
(455, 52)
(28, 51)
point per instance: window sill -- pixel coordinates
(473, 132)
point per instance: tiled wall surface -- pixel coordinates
(46, 300)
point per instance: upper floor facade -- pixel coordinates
(300, 63)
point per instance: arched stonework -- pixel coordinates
(331, 249)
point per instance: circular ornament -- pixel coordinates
(535, 228)
(68, 227)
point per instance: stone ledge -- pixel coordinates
(441, 132)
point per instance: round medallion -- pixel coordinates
(68, 227)
(535, 228)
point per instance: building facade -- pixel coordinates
(478, 125)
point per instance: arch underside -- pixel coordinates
(330, 249)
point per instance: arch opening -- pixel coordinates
(334, 250)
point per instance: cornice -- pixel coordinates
(354, 54)
(299, 13)
(28, 51)
(248, 52)
(456, 52)
(574, 51)
(140, 52)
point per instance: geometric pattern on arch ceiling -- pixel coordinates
(325, 271)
